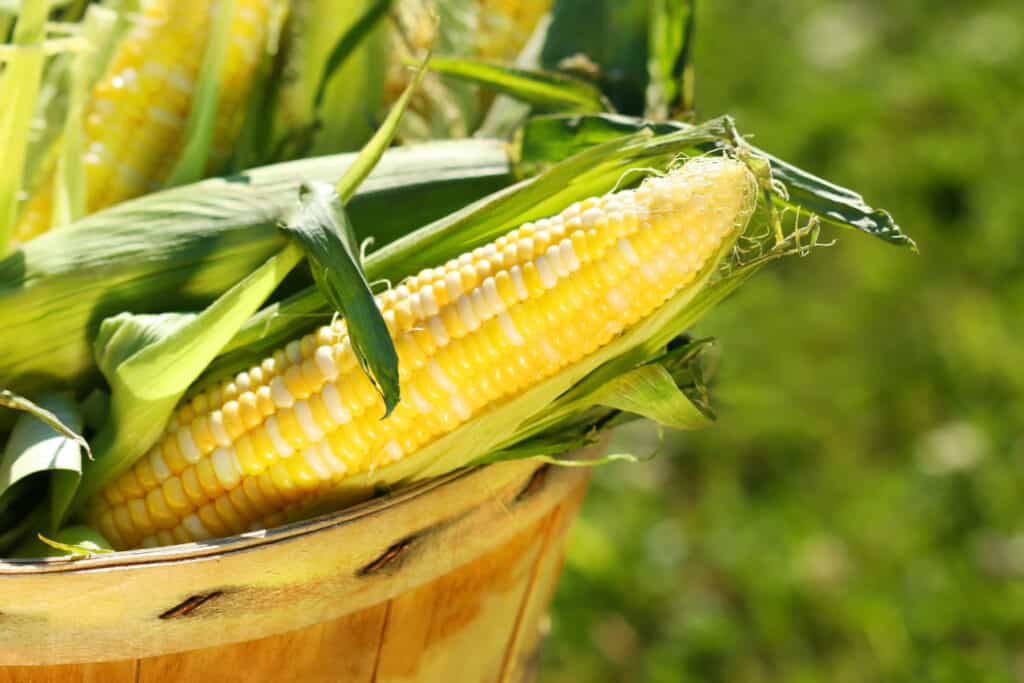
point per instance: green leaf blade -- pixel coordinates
(346, 45)
(548, 91)
(202, 120)
(36, 447)
(317, 226)
(19, 86)
(670, 86)
(651, 391)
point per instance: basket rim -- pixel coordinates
(227, 545)
(154, 602)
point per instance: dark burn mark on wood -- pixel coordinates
(400, 552)
(188, 606)
(535, 484)
(392, 558)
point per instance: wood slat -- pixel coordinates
(340, 650)
(523, 650)
(457, 628)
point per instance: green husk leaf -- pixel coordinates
(202, 119)
(836, 205)
(550, 449)
(19, 85)
(70, 190)
(36, 447)
(547, 139)
(576, 411)
(122, 336)
(322, 228)
(299, 141)
(347, 44)
(324, 110)
(316, 226)
(545, 90)
(150, 361)
(546, 445)
(670, 70)
(650, 391)
(9, 399)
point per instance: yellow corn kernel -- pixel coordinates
(193, 489)
(207, 514)
(208, 478)
(159, 511)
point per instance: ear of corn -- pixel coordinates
(135, 121)
(471, 334)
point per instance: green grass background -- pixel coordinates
(857, 512)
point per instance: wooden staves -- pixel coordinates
(445, 581)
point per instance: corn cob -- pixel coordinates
(471, 334)
(136, 117)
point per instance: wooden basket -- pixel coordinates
(447, 581)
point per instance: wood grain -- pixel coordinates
(521, 655)
(447, 582)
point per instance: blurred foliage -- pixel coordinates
(856, 513)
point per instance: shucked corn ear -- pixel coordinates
(470, 334)
(136, 117)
